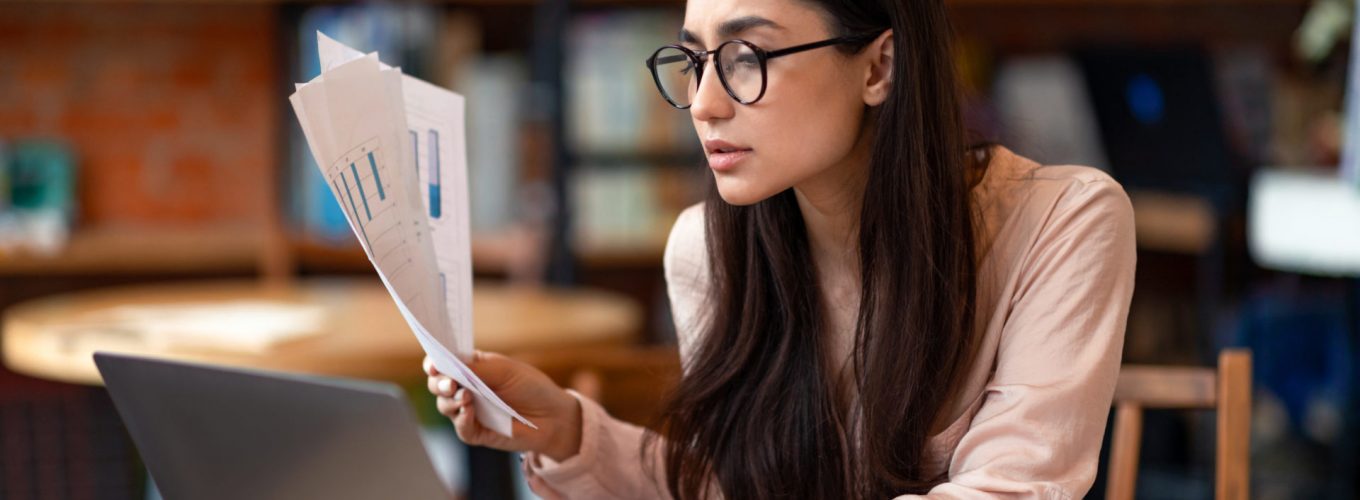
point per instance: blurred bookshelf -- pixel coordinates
(566, 134)
(616, 132)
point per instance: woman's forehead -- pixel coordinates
(716, 20)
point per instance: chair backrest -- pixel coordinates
(1227, 390)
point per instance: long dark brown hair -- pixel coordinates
(758, 413)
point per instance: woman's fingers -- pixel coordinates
(454, 401)
(465, 421)
(440, 385)
(451, 406)
(446, 406)
(434, 382)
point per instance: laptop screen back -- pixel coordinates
(209, 432)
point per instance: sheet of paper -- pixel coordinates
(436, 127)
(495, 416)
(364, 164)
(435, 120)
(392, 149)
(332, 53)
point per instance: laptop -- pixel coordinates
(210, 432)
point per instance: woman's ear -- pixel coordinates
(880, 74)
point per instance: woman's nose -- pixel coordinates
(711, 101)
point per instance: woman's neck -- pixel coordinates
(831, 214)
(831, 205)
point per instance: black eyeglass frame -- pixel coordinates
(697, 59)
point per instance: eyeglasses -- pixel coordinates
(740, 65)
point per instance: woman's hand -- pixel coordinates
(528, 390)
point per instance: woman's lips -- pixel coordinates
(724, 155)
(725, 161)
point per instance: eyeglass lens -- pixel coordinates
(675, 74)
(740, 68)
(737, 64)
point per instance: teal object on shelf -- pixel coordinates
(4, 176)
(42, 177)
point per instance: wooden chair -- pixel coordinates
(1228, 390)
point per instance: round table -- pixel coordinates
(356, 330)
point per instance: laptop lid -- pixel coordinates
(209, 432)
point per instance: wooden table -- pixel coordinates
(359, 332)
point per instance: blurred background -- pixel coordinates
(149, 148)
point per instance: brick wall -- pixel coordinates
(170, 108)
(172, 111)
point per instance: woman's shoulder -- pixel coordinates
(686, 268)
(690, 222)
(686, 256)
(1010, 176)
(1018, 194)
(686, 242)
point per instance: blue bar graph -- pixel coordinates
(376, 180)
(353, 209)
(433, 162)
(360, 183)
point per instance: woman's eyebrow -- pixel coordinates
(687, 36)
(731, 28)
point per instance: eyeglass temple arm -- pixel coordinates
(817, 45)
(671, 59)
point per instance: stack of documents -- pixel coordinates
(392, 149)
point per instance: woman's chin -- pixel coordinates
(741, 195)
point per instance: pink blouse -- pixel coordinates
(1056, 245)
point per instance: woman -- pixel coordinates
(866, 307)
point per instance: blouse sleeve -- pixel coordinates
(610, 462)
(1038, 431)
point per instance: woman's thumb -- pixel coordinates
(494, 369)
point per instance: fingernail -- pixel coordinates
(445, 386)
(458, 396)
